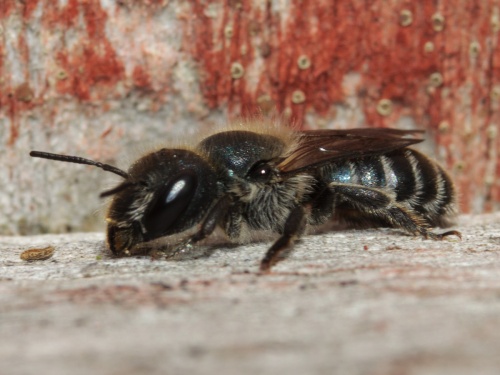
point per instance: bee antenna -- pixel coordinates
(79, 160)
(116, 190)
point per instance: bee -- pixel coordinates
(275, 180)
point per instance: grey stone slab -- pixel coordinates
(347, 302)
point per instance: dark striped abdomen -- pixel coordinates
(411, 178)
(433, 193)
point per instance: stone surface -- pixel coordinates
(352, 302)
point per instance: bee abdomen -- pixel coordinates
(423, 185)
(405, 175)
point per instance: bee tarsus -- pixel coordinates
(442, 236)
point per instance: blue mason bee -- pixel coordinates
(277, 180)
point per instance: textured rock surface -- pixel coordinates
(356, 302)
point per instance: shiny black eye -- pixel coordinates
(260, 172)
(169, 204)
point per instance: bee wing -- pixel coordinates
(323, 146)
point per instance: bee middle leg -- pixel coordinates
(376, 203)
(294, 226)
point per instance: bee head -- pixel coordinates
(166, 192)
(163, 193)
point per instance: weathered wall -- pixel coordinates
(97, 78)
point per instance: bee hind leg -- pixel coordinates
(376, 203)
(294, 226)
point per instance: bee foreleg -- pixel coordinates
(292, 229)
(214, 217)
(381, 205)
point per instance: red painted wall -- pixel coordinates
(117, 70)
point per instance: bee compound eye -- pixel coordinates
(260, 172)
(169, 204)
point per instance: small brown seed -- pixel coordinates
(38, 254)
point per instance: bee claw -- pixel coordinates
(455, 233)
(442, 236)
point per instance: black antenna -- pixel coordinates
(79, 160)
(117, 189)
